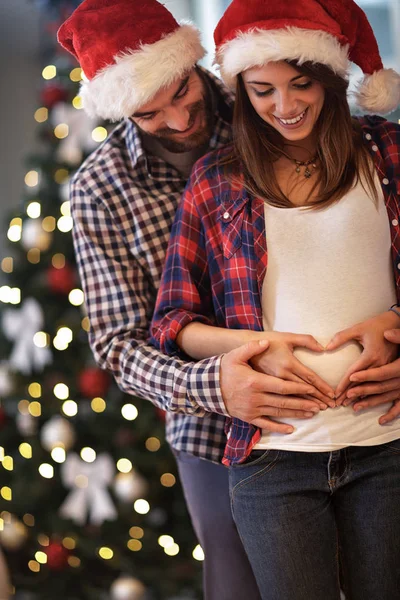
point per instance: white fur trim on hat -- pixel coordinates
(118, 90)
(379, 92)
(259, 46)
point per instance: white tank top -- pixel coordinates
(328, 270)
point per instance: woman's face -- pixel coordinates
(286, 99)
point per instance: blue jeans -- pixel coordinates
(227, 574)
(296, 512)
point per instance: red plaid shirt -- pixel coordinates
(217, 257)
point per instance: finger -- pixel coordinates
(276, 385)
(275, 401)
(392, 414)
(306, 341)
(311, 377)
(393, 335)
(372, 389)
(284, 413)
(362, 363)
(342, 337)
(376, 400)
(321, 405)
(272, 426)
(246, 352)
(322, 400)
(382, 373)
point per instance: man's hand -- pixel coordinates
(378, 386)
(377, 350)
(253, 397)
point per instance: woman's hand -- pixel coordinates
(279, 361)
(381, 385)
(377, 350)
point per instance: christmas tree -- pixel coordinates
(90, 506)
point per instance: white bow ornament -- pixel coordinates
(89, 494)
(20, 326)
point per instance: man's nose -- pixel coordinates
(177, 118)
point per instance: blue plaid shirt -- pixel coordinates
(123, 204)
(218, 257)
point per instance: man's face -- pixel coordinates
(179, 116)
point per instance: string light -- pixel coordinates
(46, 470)
(61, 391)
(124, 465)
(106, 553)
(136, 532)
(41, 557)
(129, 412)
(166, 541)
(23, 407)
(64, 224)
(69, 543)
(41, 114)
(85, 324)
(58, 455)
(29, 520)
(14, 233)
(98, 405)
(142, 507)
(153, 444)
(41, 339)
(76, 297)
(33, 210)
(65, 208)
(168, 480)
(49, 224)
(25, 450)
(99, 134)
(7, 264)
(32, 178)
(134, 545)
(49, 72)
(172, 550)
(34, 566)
(77, 103)
(33, 256)
(35, 409)
(70, 408)
(35, 390)
(88, 455)
(76, 74)
(61, 175)
(6, 494)
(58, 261)
(8, 463)
(61, 131)
(43, 540)
(198, 553)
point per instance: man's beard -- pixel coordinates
(198, 138)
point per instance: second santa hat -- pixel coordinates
(331, 32)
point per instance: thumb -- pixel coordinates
(245, 352)
(393, 335)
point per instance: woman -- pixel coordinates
(320, 191)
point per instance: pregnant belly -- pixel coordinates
(331, 366)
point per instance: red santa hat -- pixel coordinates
(331, 32)
(128, 51)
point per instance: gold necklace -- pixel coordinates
(306, 164)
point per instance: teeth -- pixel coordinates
(293, 121)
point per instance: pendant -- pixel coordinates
(297, 169)
(307, 173)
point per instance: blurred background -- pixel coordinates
(62, 419)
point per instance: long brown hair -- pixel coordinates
(343, 158)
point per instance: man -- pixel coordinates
(140, 66)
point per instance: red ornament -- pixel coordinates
(52, 94)
(160, 413)
(61, 281)
(57, 556)
(94, 382)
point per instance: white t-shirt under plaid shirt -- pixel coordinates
(123, 204)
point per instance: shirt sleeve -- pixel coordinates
(119, 300)
(185, 291)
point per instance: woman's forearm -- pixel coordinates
(202, 341)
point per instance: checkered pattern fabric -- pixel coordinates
(217, 257)
(123, 205)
